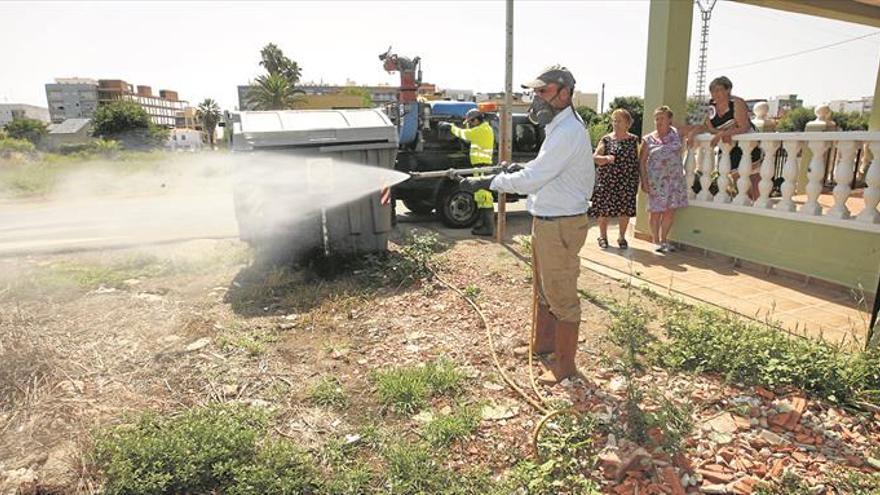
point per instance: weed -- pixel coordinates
(471, 292)
(855, 482)
(251, 341)
(413, 470)
(407, 389)
(524, 242)
(566, 451)
(443, 430)
(409, 264)
(674, 421)
(789, 484)
(217, 448)
(706, 340)
(328, 392)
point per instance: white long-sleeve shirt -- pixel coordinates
(559, 181)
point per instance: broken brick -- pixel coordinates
(744, 486)
(716, 476)
(777, 468)
(764, 393)
(671, 481)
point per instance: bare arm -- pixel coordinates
(599, 156)
(643, 167)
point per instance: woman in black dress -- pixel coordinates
(729, 116)
(617, 178)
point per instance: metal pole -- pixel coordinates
(874, 339)
(602, 101)
(505, 150)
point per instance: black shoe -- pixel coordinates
(622, 244)
(603, 243)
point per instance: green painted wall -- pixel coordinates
(835, 254)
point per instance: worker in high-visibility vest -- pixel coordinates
(480, 135)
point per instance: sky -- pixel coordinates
(205, 49)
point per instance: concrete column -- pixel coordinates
(669, 43)
(874, 122)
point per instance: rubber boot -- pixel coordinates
(565, 348)
(488, 227)
(544, 339)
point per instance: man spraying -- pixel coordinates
(559, 182)
(481, 137)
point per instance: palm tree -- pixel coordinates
(273, 92)
(209, 113)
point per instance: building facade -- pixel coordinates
(862, 105)
(782, 104)
(11, 111)
(72, 98)
(79, 98)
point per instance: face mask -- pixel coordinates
(541, 112)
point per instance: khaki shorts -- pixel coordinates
(555, 247)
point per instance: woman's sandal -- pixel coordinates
(622, 244)
(603, 243)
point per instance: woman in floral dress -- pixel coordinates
(617, 178)
(663, 177)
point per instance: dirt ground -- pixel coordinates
(89, 339)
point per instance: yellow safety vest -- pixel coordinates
(482, 139)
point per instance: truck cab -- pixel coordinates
(437, 149)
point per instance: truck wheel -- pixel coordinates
(418, 207)
(457, 208)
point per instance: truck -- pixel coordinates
(425, 147)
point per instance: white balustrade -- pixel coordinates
(745, 174)
(722, 196)
(715, 166)
(843, 175)
(872, 192)
(768, 167)
(689, 169)
(707, 166)
(815, 177)
(789, 175)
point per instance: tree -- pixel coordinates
(853, 121)
(795, 120)
(273, 92)
(32, 130)
(588, 114)
(209, 113)
(276, 63)
(128, 123)
(635, 105)
(367, 98)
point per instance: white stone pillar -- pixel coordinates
(723, 173)
(690, 166)
(789, 175)
(744, 183)
(768, 166)
(872, 192)
(815, 176)
(707, 155)
(843, 175)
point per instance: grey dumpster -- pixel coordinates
(312, 144)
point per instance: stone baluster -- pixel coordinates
(723, 173)
(872, 191)
(707, 156)
(744, 183)
(789, 175)
(690, 166)
(815, 177)
(843, 175)
(768, 166)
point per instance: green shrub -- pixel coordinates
(216, 448)
(9, 145)
(705, 340)
(104, 147)
(408, 389)
(413, 470)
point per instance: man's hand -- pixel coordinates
(444, 126)
(476, 183)
(509, 168)
(454, 176)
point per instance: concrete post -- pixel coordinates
(669, 43)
